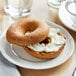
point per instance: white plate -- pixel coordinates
(53, 4)
(18, 56)
(65, 17)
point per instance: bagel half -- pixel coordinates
(44, 55)
(16, 33)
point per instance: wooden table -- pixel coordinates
(40, 10)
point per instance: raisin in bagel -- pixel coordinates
(16, 33)
(50, 47)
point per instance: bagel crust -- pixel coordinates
(44, 55)
(16, 33)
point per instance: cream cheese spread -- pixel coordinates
(56, 42)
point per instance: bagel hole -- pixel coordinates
(31, 26)
(28, 32)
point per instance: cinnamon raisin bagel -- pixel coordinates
(16, 33)
(50, 47)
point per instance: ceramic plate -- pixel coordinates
(65, 17)
(16, 54)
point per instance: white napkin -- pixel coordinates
(7, 68)
(75, 73)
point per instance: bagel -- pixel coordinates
(55, 43)
(44, 55)
(16, 33)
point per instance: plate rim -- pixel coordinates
(59, 15)
(16, 63)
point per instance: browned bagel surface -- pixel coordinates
(16, 33)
